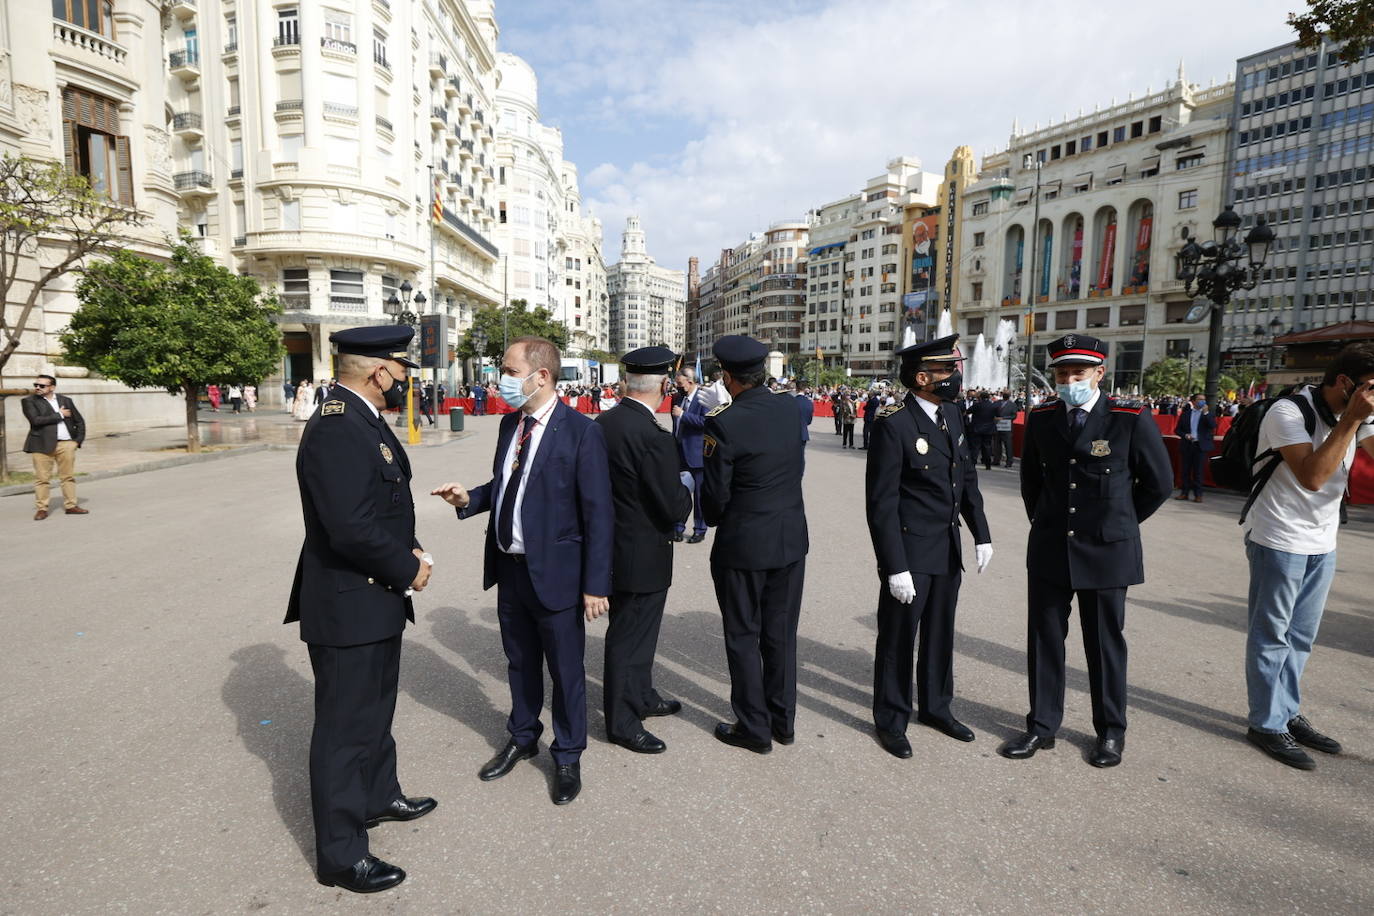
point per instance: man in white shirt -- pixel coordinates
(1290, 541)
(56, 431)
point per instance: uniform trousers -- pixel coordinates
(532, 635)
(931, 613)
(981, 446)
(631, 641)
(698, 520)
(760, 610)
(1102, 616)
(352, 753)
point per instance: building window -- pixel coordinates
(1188, 162)
(980, 208)
(94, 15)
(288, 26)
(291, 214)
(295, 280)
(1187, 199)
(338, 27)
(379, 48)
(977, 291)
(345, 283)
(93, 146)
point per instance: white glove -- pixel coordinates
(983, 554)
(686, 478)
(901, 587)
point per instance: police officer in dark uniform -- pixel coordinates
(920, 480)
(751, 492)
(1093, 468)
(650, 502)
(358, 566)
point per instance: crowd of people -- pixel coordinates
(583, 515)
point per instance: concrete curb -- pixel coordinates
(179, 460)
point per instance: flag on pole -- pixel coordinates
(438, 199)
(698, 374)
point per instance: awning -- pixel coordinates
(1023, 195)
(1151, 162)
(1332, 333)
(1083, 180)
(1053, 185)
(818, 249)
(1116, 173)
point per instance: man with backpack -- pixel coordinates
(1306, 446)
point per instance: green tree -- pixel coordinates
(813, 372)
(1348, 23)
(517, 321)
(177, 325)
(1167, 376)
(42, 200)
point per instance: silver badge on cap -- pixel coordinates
(1070, 341)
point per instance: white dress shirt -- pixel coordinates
(63, 434)
(517, 540)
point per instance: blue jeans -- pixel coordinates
(1287, 597)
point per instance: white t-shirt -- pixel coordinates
(1286, 515)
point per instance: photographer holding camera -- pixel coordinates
(1290, 542)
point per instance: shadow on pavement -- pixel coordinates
(1339, 630)
(445, 688)
(263, 687)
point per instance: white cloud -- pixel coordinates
(772, 109)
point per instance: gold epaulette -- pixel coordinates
(330, 408)
(718, 409)
(890, 409)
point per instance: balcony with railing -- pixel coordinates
(379, 58)
(288, 42)
(348, 303)
(182, 9)
(438, 65)
(79, 42)
(451, 87)
(240, 241)
(230, 50)
(385, 124)
(233, 113)
(465, 104)
(338, 46)
(189, 124)
(293, 302)
(184, 63)
(338, 111)
(438, 117)
(470, 233)
(192, 182)
(290, 110)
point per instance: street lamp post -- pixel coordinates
(1214, 270)
(399, 308)
(1031, 161)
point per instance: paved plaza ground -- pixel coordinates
(156, 719)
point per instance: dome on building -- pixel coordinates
(518, 81)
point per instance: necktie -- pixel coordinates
(1077, 418)
(505, 520)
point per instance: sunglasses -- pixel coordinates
(40, 385)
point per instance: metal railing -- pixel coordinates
(296, 301)
(231, 48)
(380, 60)
(183, 58)
(291, 105)
(348, 303)
(187, 120)
(186, 181)
(339, 110)
(440, 113)
(478, 238)
(385, 124)
(286, 41)
(233, 111)
(240, 241)
(235, 174)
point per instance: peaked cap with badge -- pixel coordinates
(386, 341)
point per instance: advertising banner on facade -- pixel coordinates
(1140, 271)
(1076, 266)
(916, 312)
(1104, 266)
(1047, 247)
(923, 236)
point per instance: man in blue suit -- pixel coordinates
(548, 551)
(1196, 430)
(689, 419)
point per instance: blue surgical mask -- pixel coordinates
(513, 390)
(1075, 394)
(1200, 405)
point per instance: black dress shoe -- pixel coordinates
(1282, 748)
(642, 743)
(696, 539)
(677, 537)
(1025, 746)
(367, 876)
(404, 809)
(896, 745)
(783, 737)
(505, 761)
(567, 782)
(1107, 753)
(952, 727)
(731, 735)
(1303, 733)
(664, 708)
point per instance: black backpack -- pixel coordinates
(1233, 466)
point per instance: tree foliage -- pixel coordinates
(519, 321)
(176, 326)
(41, 200)
(1167, 376)
(1348, 23)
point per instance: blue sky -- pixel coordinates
(712, 119)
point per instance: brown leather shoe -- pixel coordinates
(1181, 496)
(40, 515)
(1197, 499)
(77, 510)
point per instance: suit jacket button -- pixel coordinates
(1072, 509)
(1073, 461)
(1073, 486)
(371, 581)
(1070, 533)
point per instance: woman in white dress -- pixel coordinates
(305, 401)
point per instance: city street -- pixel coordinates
(157, 717)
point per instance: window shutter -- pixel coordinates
(126, 171)
(69, 144)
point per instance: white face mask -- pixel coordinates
(513, 390)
